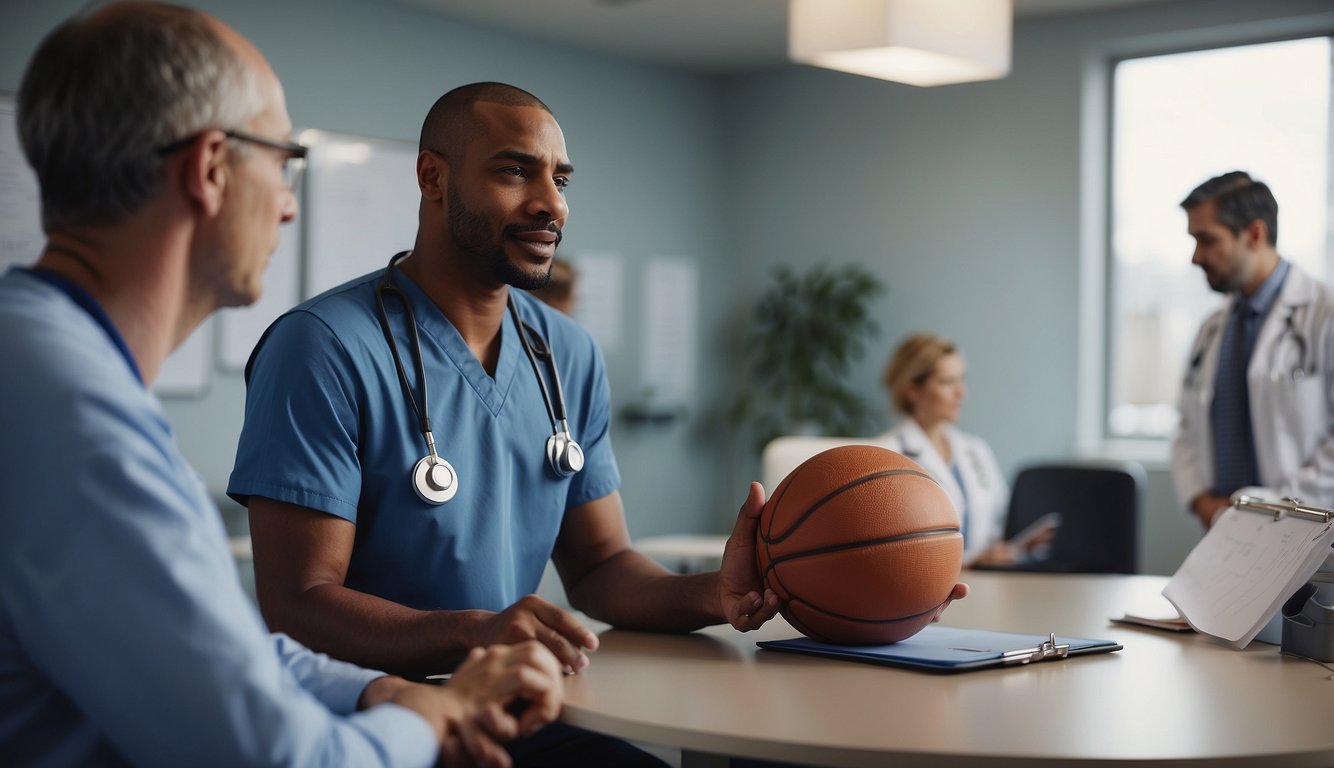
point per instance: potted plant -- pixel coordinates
(806, 333)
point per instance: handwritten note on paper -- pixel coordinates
(1243, 569)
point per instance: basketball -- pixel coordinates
(860, 545)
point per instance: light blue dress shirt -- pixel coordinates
(329, 427)
(125, 636)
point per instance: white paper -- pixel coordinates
(669, 348)
(1236, 579)
(599, 296)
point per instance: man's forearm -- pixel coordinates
(377, 633)
(630, 591)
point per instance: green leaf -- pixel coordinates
(807, 332)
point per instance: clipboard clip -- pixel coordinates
(1048, 649)
(1289, 506)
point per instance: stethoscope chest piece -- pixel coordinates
(434, 480)
(564, 455)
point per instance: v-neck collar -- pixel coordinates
(87, 303)
(437, 331)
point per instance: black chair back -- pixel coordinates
(1099, 506)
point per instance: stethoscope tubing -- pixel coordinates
(1299, 370)
(529, 339)
(387, 286)
(564, 454)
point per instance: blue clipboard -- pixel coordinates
(946, 649)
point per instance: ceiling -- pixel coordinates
(709, 35)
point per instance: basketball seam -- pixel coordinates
(843, 617)
(931, 532)
(812, 508)
(780, 492)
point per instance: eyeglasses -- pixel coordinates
(294, 165)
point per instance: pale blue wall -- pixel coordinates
(646, 143)
(964, 198)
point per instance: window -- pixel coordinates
(1178, 120)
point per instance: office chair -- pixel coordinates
(1099, 506)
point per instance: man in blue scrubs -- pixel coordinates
(350, 557)
(159, 139)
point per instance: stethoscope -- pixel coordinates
(434, 478)
(1299, 369)
(1197, 358)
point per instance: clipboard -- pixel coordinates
(1254, 557)
(947, 649)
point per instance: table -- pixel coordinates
(1165, 699)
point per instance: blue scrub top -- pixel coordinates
(125, 636)
(329, 427)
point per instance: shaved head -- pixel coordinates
(453, 122)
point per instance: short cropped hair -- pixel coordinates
(452, 124)
(911, 365)
(105, 91)
(1238, 200)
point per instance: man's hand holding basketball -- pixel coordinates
(746, 603)
(959, 592)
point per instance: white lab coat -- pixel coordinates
(1291, 385)
(987, 492)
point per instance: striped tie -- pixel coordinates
(1235, 464)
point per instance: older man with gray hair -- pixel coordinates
(159, 139)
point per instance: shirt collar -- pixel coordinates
(1263, 299)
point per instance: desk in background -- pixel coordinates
(1165, 700)
(685, 553)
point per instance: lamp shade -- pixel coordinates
(920, 42)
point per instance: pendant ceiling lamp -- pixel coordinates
(920, 42)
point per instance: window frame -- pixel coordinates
(1096, 257)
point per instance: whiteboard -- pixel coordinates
(361, 206)
(21, 237)
(239, 328)
(186, 371)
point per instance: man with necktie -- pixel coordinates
(1256, 410)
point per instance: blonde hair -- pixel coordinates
(912, 363)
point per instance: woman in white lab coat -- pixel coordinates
(925, 379)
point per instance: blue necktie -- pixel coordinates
(1235, 465)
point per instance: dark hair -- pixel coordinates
(105, 91)
(1238, 200)
(451, 124)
